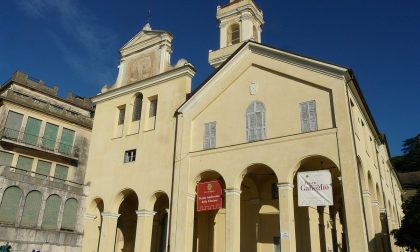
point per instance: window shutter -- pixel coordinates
(61, 172)
(32, 131)
(206, 142)
(69, 214)
(43, 168)
(312, 116)
(304, 116)
(213, 135)
(24, 163)
(31, 209)
(66, 142)
(10, 204)
(6, 158)
(50, 136)
(13, 124)
(51, 212)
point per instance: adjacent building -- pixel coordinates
(263, 116)
(44, 142)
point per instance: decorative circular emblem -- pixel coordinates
(209, 187)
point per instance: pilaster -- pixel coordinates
(144, 230)
(287, 217)
(108, 231)
(233, 219)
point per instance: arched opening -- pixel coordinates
(93, 225)
(31, 209)
(69, 215)
(160, 224)
(260, 210)
(10, 204)
(127, 222)
(209, 226)
(234, 34)
(320, 228)
(137, 106)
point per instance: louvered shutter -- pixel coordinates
(213, 135)
(6, 158)
(50, 136)
(51, 212)
(13, 124)
(32, 131)
(69, 215)
(66, 142)
(312, 116)
(24, 163)
(10, 204)
(206, 142)
(31, 209)
(43, 169)
(304, 116)
(61, 172)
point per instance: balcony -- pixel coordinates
(39, 143)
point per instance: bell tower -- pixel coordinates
(239, 21)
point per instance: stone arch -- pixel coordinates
(312, 231)
(31, 209)
(93, 224)
(127, 222)
(205, 175)
(209, 226)
(160, 222)
(302, 161)
(259, 208)
(10, 203)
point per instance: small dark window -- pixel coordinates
(130, 156)
(137, 107)
(153, 108)
(121, 115)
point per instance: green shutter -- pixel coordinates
(6, 158)
(13, 124)
(32, 131)
(31, 209)
(69, 215)
(24, 163)
(66, 143)
(50, 136)
(52, 209)
(43, 168)
(10, 204)
(61, 173)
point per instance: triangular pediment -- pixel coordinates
(142, 37)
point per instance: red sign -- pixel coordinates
(209, 196)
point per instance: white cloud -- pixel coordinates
(95, 43)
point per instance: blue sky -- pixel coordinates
(75, 43)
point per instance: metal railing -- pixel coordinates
(40, 142)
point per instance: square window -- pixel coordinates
(130, 156)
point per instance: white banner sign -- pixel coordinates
(315, 188)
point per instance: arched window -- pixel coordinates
(31, 209)
(137, 107)
(69, 214)
(52, 209)
(255, 122)
(10, 204)
(234, 35)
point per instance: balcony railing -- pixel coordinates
(39, 142)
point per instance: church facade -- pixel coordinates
(261, 118)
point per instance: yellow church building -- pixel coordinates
(217, 169)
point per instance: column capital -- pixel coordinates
(285, 186)
(89, 216)
(110, 215)
(233, 191)
(145, 213)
